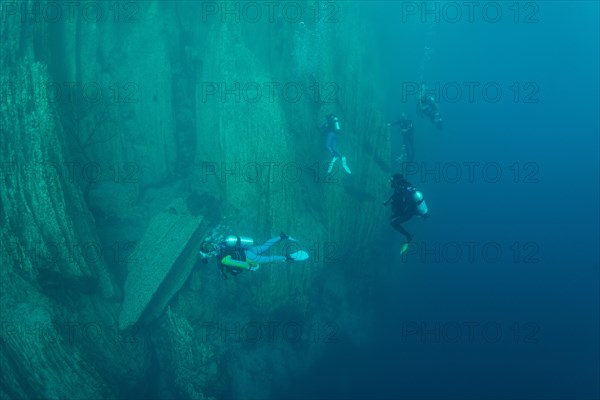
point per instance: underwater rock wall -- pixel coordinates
(130, 123)
(337, 217)
(253, 146)
(49, 284)
(247, 144)
(157, 124)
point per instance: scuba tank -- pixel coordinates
(334, 123)
(233, 254)
(233, 241)
(420, 204)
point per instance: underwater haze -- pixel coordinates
(300, 200)
(462, 324)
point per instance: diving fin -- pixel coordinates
(345, 165)
(404, 248)
(331, 164)
(299, 255)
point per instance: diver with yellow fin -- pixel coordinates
(407, 202)
(236, 254)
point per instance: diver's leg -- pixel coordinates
(430, 114)
(254, 258)
(396, 223)
(330, 144)
(335, 152)
(332, 147)
(265, 246)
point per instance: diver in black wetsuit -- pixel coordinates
(426, 106)
(408, 135)
(407, 202)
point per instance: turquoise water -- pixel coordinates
(496, 297)
(464, 321)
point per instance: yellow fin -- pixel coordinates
(404, 248)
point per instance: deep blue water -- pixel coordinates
(534, 313)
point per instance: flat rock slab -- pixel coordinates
(161, 258)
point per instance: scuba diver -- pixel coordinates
(236, 254)
(407, 202)
(408, 130)
(332, 127)
(426, 106)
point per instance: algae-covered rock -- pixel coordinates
(40, 357)
(160, 262)
(187, 367)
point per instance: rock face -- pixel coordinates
(57, 328)
(159, 266)
(157, 160)
(37, 357)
